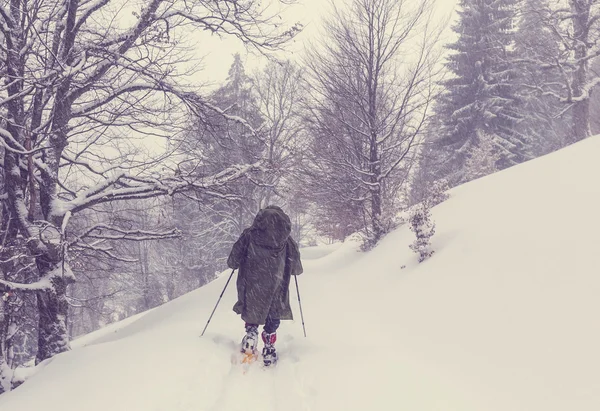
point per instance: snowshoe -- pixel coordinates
(269, 353)
(250, 340)
(269, 356)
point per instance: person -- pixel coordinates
(267, 257)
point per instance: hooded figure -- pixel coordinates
(267, 257)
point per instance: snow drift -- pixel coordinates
(502, 317)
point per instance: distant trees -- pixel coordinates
(520, 77)
(257, 122)
(280, 89)
(216, 139)
(574, 27)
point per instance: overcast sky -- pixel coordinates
(309, 12)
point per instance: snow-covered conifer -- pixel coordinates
(481, 96)
(545, 119)
(424, 228)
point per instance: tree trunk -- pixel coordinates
(8, 250)
(375, 189)
(53, 336)
(581, 120)
(5, 376)
(5, 380)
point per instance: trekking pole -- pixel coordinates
(300, 304)
(218, 301)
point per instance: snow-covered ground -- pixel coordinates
(503, 317)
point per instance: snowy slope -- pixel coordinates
(503, 317)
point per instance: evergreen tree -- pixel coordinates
(227, 141)
(481, 97)
(545, 119)
(424, 228)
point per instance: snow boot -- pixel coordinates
(268, 353)
(250, 340)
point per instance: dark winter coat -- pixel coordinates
(267, 257)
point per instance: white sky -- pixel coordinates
(219, 53)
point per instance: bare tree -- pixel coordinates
(77, 89)
(280, 89)
(372, 83)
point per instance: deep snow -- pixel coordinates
(502, 317)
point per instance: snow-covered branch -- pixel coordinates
(6, 16)
(46, 283)
(130, 88)
(124, 186)
(128, 40)
(245, 20)
(16, 96)
(91, 9)
(9, 142)
(584, 93)
(107, 251)
(41, 285)
(106, 232)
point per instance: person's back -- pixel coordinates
(266, 257)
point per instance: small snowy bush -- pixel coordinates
(437, 193)
(421, 224)
(483, 157)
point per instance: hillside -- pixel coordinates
(502, 317)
